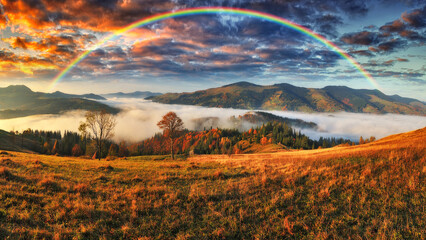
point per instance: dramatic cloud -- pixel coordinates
(416, 18)
(45, 36)
(392, 36)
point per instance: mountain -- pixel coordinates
(137, 94)
(59, 94)
(20, 101)
(248, 120)
(258, 118)
(285, 96)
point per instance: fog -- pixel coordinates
(139, 118)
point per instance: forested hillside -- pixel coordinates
(288, 97)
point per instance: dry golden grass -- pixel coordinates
(404, 145)
(372, 191)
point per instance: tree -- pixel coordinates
(113, 150)
(122, 150)
(76, 150)
(101, 124)
(83, 132)
(172, 125)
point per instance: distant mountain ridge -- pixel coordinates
(137, 94)
(285, 96)
(59, 94)
(20, 101)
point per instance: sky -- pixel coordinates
(40, 38)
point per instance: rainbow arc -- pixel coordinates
(217, 10)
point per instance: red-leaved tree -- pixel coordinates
(172, 125)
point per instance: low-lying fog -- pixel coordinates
(139, 120)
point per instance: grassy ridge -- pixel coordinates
(370, 191)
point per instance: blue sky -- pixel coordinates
(41, 37)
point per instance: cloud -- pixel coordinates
(361, 38)
(416, 18)
(395, 26)
(217, 46)
(392, 45)
(366, 53)
(11, 62)
(394, 36)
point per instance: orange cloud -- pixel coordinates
(26, 64)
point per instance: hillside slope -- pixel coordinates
(12, 142)
(374, 194)
(400, 146)
(288, 97)
(20, 101)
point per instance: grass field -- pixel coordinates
(371, 191)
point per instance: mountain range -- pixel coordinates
(59, 94)
(283, 96)
(20, 101)
(137, 94)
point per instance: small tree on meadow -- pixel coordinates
(101, 124)
(171, 125)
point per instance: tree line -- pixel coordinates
(232, 141)
(94, 139)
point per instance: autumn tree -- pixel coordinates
(76, 150)
(83, 132)
(172, 125)
(101, 124)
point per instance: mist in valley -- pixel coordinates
(138, 121)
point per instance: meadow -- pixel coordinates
(370, 191)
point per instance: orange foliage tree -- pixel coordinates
(172, 125)
(76, 150)
(264, 141)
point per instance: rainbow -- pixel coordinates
(216, 10)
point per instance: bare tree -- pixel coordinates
(172, 125)
(101, 124)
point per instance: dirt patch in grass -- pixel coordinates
(5, 173)
(7, 162)
(50, 184)
(106, 168)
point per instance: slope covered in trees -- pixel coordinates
(231, 141)
(270, 137)
(20, 101)
(288, 97)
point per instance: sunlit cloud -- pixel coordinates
(51, 34)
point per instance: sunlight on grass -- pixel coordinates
(305, 194)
